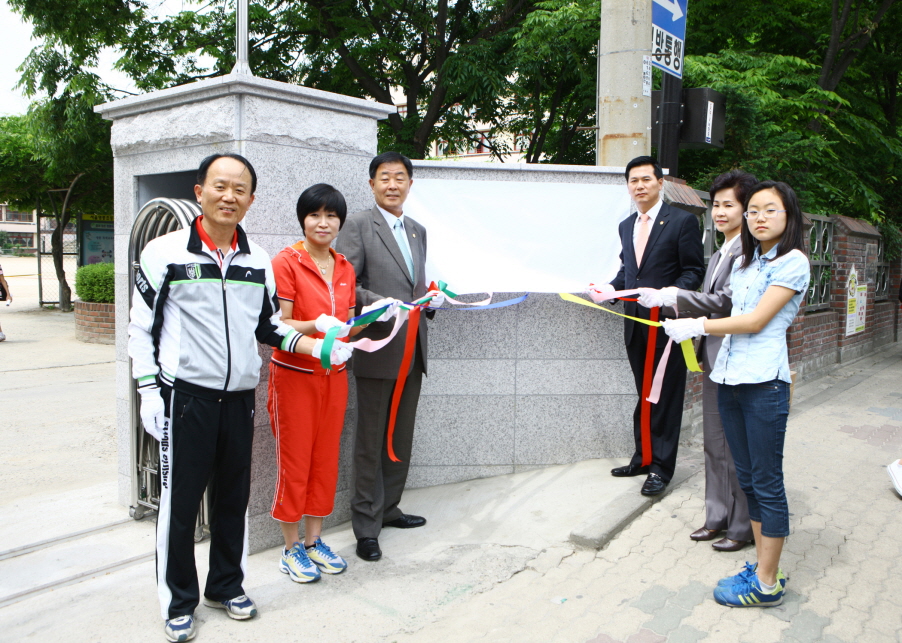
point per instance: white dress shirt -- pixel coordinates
(725, 251)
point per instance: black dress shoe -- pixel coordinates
(406, 521)
(628, 471)
(704, 533)
(728, 544)
(654, 485)
(368, 549)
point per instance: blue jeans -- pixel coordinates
(754, 422)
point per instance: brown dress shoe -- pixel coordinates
(725, 544)
(704, 534)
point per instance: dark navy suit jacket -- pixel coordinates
(674, 256)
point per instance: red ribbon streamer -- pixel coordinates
(645, 409)
(413, 324)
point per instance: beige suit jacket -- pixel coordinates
(370, 245)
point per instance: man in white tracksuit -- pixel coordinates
(203, 298)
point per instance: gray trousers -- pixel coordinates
(725, 503)
(378, 482)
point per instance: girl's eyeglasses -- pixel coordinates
(768, 214)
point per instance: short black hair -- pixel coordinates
(207, 162)
(644, 160)
(741, 182)
(793, 236)
(391, 157)
(320, 196)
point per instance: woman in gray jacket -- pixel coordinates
(725, 504)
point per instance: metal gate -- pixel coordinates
(156, 218)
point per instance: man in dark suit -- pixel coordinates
(388, 252)
(662, 246)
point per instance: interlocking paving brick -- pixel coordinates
(686, 634)
(653, 599)
(805, 626)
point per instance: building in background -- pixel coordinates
(20, 230)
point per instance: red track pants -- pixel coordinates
(307, 413)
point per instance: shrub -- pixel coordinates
(96, 283)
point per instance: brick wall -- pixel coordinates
(95, 323)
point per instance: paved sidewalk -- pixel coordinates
(652, 584)
(501, 558)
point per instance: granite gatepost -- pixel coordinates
(295, 137)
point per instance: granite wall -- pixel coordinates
(541, 383)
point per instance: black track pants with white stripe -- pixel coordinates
(208, 441)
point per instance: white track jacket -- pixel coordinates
(195, 326)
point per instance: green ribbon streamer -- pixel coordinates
(332, 333)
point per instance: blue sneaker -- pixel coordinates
(747, 572)
(298, 565)
(238, 608)
(747, 593)
(328, 561)
(180, 628)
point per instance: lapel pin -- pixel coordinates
(661, 223)
(414, 235)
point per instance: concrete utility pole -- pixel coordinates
(241, 64)
(624, 114)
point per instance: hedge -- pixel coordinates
(96, 283)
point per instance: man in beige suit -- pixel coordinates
(725, 505)
(388, 252)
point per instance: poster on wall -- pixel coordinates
(856, 304)
(96, 238)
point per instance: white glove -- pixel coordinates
(389, 312)
(651, 298)
(153, 411)
(341, 352)
(594, 291)
(325, 322)
(682, 329)
(438, 299)
(669, 295)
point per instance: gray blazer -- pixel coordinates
(370, 245)
(714, 301)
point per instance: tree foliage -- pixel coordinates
(811, 88)
(57, 159)
(812, 85)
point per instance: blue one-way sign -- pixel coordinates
(668, 18)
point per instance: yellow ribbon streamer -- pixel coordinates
(686, 345)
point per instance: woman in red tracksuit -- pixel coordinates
(307, 403)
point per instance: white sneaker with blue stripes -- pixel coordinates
(180, 628)
(298, 565)
(328, 561)
(238, 608)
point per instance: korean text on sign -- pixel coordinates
(667, 51)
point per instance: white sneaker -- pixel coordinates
(327, 560)
(239, 608)
(180, 628)
(2, 337)
(894, 469)
(298, 565)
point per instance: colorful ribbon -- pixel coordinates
(686, 345)
(410, 312)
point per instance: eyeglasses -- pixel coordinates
(768, 214)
